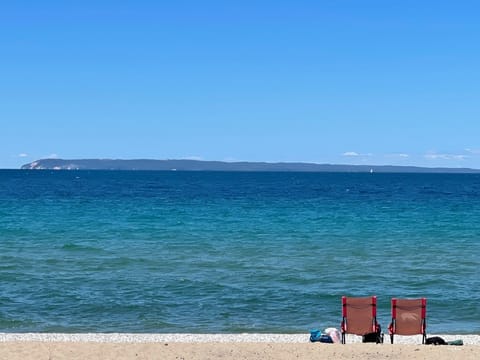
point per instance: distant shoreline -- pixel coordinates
(198, 165)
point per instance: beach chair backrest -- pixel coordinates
(359, 315)
(409, 316)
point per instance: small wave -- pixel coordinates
(77, 247)
(8, 325)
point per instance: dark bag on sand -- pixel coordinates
(370, 337)
(316, 335)
(374, 337)
(326, 339)
(435, 340)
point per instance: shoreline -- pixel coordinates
(470, 339)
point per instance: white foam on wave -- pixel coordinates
(207, 338)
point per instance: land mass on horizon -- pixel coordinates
(200, 165)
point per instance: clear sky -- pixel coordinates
(351, 82)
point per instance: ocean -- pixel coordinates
(233, 252)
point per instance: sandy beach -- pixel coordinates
(202, 347)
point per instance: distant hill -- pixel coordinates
(197, 165)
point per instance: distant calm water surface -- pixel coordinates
(219, 252)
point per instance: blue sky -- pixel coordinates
(352, 82)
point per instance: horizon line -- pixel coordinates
(246, 162)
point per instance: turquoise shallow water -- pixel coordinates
(233, 252)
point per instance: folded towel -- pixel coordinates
(455, 342)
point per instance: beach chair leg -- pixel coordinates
(380, 338)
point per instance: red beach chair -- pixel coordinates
(409, 318)
(359, 317)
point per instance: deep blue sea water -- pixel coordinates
(219, 252)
